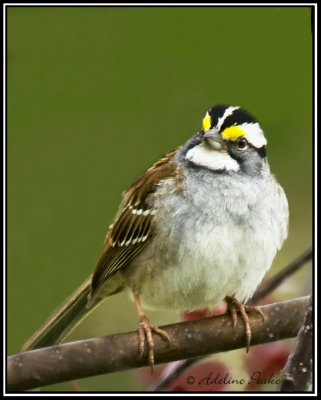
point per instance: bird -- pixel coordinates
(201, 226)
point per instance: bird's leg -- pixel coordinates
(145, 332)
(233, 306)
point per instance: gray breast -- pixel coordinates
(216, 237)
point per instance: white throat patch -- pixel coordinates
(212, 159)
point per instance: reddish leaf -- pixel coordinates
(266, 361)
(190, 315)
(204, 312)
(219, 310)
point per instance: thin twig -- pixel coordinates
(102, 355)
(297, 373)
(172, 371)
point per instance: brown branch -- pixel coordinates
(167, 377)
(297, 373)
(119, 352)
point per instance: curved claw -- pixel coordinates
(233, 306)
(145, 332)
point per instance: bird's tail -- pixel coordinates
(63, 320)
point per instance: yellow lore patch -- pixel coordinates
(207, 121)
(233, 132)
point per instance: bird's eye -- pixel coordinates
(242, 143)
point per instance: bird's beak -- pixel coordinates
(214, 140)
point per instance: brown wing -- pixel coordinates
(133, 225)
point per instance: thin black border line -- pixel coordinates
(160, 5)
(313, 7)
(314, 161)
(5, 174)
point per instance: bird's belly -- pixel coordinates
(208, 262)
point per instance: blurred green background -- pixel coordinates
(95, 95)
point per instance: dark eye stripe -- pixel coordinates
(261, 151)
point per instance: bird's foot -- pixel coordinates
(233, 307)
(145, 331)
(146, 334)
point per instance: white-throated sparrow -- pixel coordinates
(203, 224)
